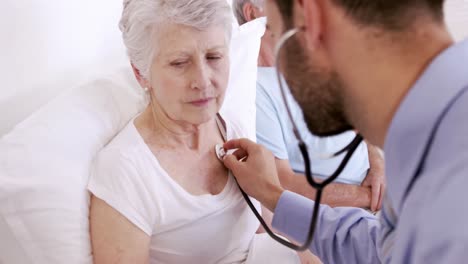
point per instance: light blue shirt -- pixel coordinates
(275, 132)
(423, 224)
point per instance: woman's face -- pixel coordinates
(190, 72)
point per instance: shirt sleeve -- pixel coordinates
(342, 235)
(115, 180)
(269, 130)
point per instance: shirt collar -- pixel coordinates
(417, 115)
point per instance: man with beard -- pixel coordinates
(390, 70)
(358, 185)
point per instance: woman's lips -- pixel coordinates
(201, 102)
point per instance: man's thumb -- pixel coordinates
(230, 161)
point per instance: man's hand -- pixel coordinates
(255, 170)
(375, 179)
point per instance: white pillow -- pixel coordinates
(240, 97)
(45, 160)
(44, 166)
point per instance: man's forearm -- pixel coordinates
(292, 218)
(335, 194)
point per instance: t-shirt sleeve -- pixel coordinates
(269, 130)
(115, 180)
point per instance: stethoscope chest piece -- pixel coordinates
(220, 152)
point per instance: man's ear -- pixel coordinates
(308, 14)
(141, 80)
(251, 12)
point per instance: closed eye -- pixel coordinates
(178, 63)
(214, 57)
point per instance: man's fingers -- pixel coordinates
(375, 197)
(381, 197)
(242, 143)
(240, 153)
(231, 162)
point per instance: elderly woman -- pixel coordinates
(159, 193)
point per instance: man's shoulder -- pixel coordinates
(436, 206)
(447, 159)
(451, 137)
(268, 92)
(266, 75)
(267, 83)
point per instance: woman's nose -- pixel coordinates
(201, 77)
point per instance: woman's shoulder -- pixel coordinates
(119, 178)
(123, 161)
(121, 148)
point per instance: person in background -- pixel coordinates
(361, 184)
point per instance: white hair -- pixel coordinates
(238, 8)
(141, 19)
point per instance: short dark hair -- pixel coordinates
(385, 14)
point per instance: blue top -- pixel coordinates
(275, 132)
(422, 224)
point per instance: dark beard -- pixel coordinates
(317, 91)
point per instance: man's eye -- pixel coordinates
(214, 57)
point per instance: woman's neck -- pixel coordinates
(159, 129)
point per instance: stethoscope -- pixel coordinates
(319, 186)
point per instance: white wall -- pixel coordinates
(40, 37)
(456, 16)
(44, 42)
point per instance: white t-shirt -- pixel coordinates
(184, 228)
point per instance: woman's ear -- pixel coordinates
(251, 12)
(141, 80)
